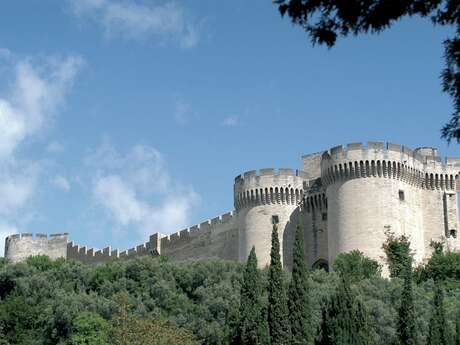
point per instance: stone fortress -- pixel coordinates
(346, 198)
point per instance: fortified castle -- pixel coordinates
(346, 197)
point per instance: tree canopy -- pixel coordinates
(45, 302)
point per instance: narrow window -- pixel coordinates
(324, 216)
(401, 195)
(275, 219)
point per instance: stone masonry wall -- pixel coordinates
(217, 237)
(20, 246)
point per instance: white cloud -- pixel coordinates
(5, 230)
(231, 121)
(26, 110)
(62, 183)
(135, 21)
(137, 191)
(55, 147)
(35, 96)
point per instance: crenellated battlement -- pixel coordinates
(20, 246)
(254, 175)
(269, 186)
(38, 237)
(420, 157)
(421, 167)
(196, 231)
(96, 256)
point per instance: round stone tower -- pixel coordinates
(386, 187)
(261, 200)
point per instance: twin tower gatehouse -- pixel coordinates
(346, 198)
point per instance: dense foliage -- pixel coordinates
(278, 313)
(44, 302)
(356, 266)
(406, 329)
(437, 334)
(398, 254)
(345, 319)
(326, 20)
(299, 295)
(253, 326)
(54, 302)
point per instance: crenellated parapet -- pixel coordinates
(20, 246)
(420, 167)
(193, 232)
(97, 256)
(269, 186)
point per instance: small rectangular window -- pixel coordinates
(453, 233)
(401, 195)
(324, 216)
(275, 219)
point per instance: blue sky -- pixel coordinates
(119, 119)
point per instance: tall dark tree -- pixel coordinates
(324, 337)
(325, 20)
(278, 316)
(253, 327)
(457, 330)
(298, 296)
(406, 331)
(344, 320)
(438, 327)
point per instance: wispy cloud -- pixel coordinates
(136, 190)
(231, 121)
(37, 92)
(61, 183)
(38, 89)
(132, 20)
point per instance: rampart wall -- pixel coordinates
(97, 256)
(20, 246)
(217, 237)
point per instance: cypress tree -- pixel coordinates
(278, 318)
(253, 328)
(345, 320)
(298, 298)
(457, 330)
(325, 334)
(406, 313)
(437, 332)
